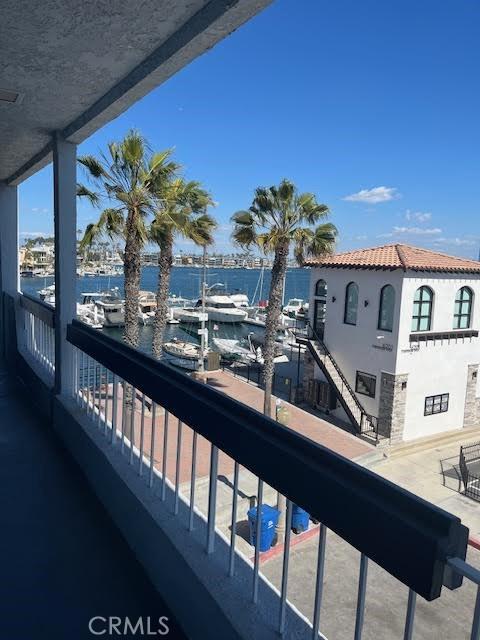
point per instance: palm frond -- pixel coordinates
(85, 192)
(93, 166)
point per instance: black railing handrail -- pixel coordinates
(38, 308)
(409, 537)
(337, 369)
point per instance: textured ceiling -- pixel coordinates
(77, 65)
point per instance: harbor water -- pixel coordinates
(186, 283)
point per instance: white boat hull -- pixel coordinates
(227, 316)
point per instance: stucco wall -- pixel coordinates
(436, 368)
(359, 347)
(431, 370)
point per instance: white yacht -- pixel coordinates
(47, 294)
(293, 306)
(113, 308)
(240, 300)
(183, 354)
(147, 305)
(221, 308)
(235, 350)
(188, 315)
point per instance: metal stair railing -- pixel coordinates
(365, 422)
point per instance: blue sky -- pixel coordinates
(373, 105)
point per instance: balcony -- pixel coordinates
(126, 484)
(170, 527)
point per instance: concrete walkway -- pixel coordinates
(434, 475)
(63, 561)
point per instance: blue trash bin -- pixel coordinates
(300, 519)
(269, 516)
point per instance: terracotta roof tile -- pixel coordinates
(398, 256)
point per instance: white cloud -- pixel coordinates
(417, 231)
(385, 235)
(457, 242)
(374, 196)
(418, 216)
(35, 209)
(361, 237)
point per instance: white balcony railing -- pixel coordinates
(167, 426)
(38, 340)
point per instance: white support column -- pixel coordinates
(9, 272)
(65, 223)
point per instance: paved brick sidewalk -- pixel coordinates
(305, 423)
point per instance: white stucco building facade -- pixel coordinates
(401, 325)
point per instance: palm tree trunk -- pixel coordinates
(132, 266)
(279, 269)
(165, 261)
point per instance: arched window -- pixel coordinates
(351, 303)
(422, 309)
(462, 314)
(321, 289)
(387, 306)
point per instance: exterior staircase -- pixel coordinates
(364, 423)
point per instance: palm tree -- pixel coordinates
(181, 212)
(281, 218)
(126, 177)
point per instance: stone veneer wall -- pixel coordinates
(472, 403)
(391, 413)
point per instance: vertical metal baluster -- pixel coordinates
(77, 372)
(88, 385)
(193, 479)
(105, 414)
(475, 634)
(412, 600)
(50, 359)
(132, 422)
(114, 409)
(124, 414)
(233, 527)
(322, 541)
(177, 465)
(35, 343)
(142, 429)
(81, 377)
(94, 388)
(40, 327)
(258, 532)
(165, 452)
(26, 324)
(362, 591)
(99, 421)
(286, 558)
(152, 443)
(212, 499)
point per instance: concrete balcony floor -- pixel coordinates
(63, 561)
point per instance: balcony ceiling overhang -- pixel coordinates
(78, 65)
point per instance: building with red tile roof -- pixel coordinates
(398, 256)
(394, 345)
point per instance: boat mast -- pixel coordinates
(203, 331)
